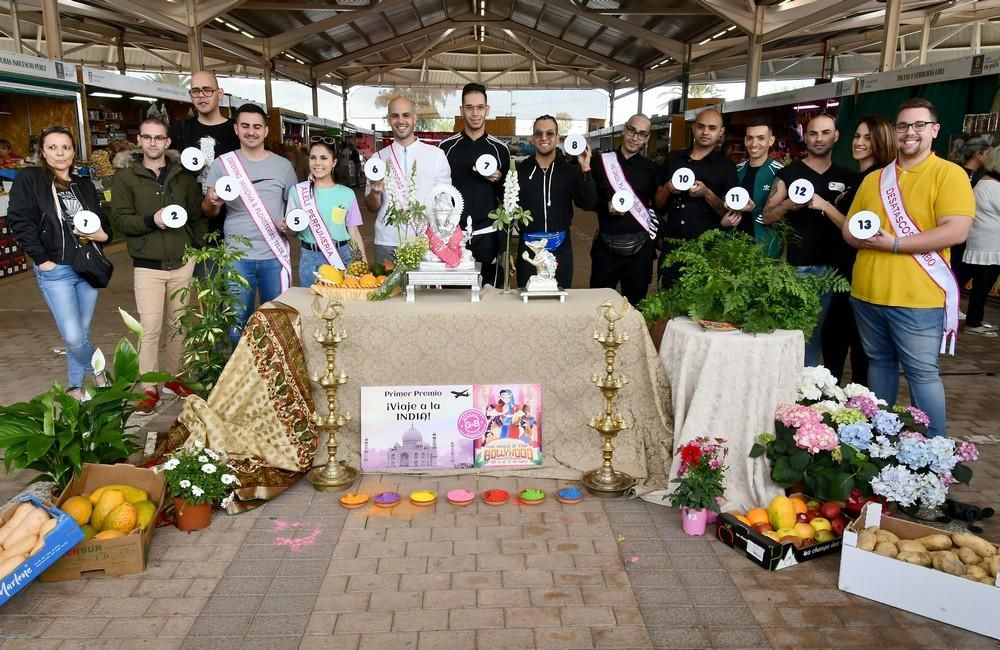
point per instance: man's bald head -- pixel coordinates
(402, 119)
(821, 134)
(205, 85)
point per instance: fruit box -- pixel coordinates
(763, 550)
(928, 592)
(113, 557)
(58, 542)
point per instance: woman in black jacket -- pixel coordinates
(43, 203)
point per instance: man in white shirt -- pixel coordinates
(404, 152)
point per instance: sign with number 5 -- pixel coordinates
(297, 220)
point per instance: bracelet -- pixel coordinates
(895, 245)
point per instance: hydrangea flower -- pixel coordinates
(919, 416)
(887, 423)
(932, 490)
(942, 451)
(865, 404)
(966, 452)
(856, 434)
(797, 415)
(815, 437)
(882, 447)
(899, 484)
(827, 406)
(849, 416)
(914, 453)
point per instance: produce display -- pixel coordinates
(23, 535)
(111, 511)
(356, 283)
(959, 554)
(797, 520)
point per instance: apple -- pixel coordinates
(821, 523)
(813, 504)
(805, 531)
(802, 518)
(838, 525)
(762, 526)
(806, 543)
(791, 539)
(812, 514)
(831, 510)
(824, 536)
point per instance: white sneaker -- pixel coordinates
(961, 315)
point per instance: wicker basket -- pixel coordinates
(345, 294)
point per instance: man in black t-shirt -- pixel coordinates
(482, 194)
(623, 249)
(818, 245)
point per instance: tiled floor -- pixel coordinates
(303, 572)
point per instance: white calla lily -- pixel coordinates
(131, 323)
(98, 362)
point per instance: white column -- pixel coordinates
(925, 39)
(890, 35)
(756, 54)
(53, 32)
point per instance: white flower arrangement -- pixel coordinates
(510, 215)
(198, 475)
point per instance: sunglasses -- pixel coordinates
(322, 138)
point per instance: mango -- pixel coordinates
(109, 500)
(79, 508)
(781, 513)
(121, 518)
(331, 274)
(109, 534)
(132, 494)
(88, 531)
(805, 531)
(145, 511)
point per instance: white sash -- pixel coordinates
(400, 176)
(260, 216)
(932, 262)
(317, 226)
(616, 177)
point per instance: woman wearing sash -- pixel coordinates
(333, 212)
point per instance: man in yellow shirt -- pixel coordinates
(904, 294)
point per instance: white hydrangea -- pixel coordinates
(197, 491)
(827, 406)
(208, 468)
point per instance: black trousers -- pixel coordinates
(632, 272)
(564, 257)
(840, 337)
(983, 279)
(486, 249)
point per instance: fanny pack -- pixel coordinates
(625, 244)
(553, 240)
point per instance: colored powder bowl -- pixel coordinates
(532, 495)
(353, 500)
(461, 496)
(570, 493)
(495, 496)
(423, 496)
(387, 499)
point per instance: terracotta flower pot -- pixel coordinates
(192, 516)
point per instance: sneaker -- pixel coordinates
(961, 315)
(148, 405)
(990, 326)
(982, 330)
(174, 387)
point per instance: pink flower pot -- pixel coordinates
(713, 516)
(694, 521)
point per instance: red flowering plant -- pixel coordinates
(700, 477)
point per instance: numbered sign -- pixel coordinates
(375, 169)
(174, 216)
(574, 145)
(737, 199)
(622, 201)
(801, 191)
(683, 179)
(192, 159)
(297, 220)
(864, 224)
(486, 164)
(226, 188)
(86, 222)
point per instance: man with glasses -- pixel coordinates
(482, 194)
(625, 243)
(815, 249)
(139, 194)
(550, 184)
(405, 153)
(904, 294)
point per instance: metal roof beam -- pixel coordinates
(731, 11)
(828, 13)
(295, 36)
(651, 8)
(669, 46)
(622, 68)
(326, 67)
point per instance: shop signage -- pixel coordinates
(133, 85)
(33, 66)
(963, 68)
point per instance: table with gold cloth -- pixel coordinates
(257, 409)
(729, 385)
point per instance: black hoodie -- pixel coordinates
(550, 193)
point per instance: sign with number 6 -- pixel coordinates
(192, 159)
(375, 169)
(737, 199)
(226, 188)
(801, 191)
(622, 201)
(864, 224)
(297, 220)
(683, 179)
(86, 222)
(174, 216)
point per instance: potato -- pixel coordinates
(866, 540)
(948, 562)
(886, 536)
(988, 581)
(913, 545)
(920, 558)
(977, 544)
(937, 542)
(887, 549)
(992, 565)
(974, 572)
(967, 555)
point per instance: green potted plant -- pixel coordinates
(727, 278)
(211, 309)
(55, 435)
(197, 477)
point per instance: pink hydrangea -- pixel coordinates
(866, 405)
(947, 480)
(797, 416)
(912, 435)
(919, 416)
(966, 452)
(815, 437)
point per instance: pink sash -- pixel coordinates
(307, 199)
(260, 216)
(931, 262)
(616, 177)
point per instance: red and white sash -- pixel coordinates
(317, 226)
(450, 252)
(616, 177)
(260, 216)
(931, 262)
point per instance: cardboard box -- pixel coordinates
(112, 557)
(58, 542)
(764, 551)
(935, 594)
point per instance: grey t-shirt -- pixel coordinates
(274, 178)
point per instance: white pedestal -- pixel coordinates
(447, 277)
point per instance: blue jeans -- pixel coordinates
(911, 337)
(263, 276)
(814, 346)
(310, 261)
(72, 301)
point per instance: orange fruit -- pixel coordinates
(757, 516)
(743, 519)
(799, 505)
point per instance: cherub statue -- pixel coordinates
(545, 265)
(446, 241)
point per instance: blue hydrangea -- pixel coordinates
(942, 450)
(897, 483)
(882, 447)
(887, 423)
(932, 490)
(914, 453)
(857, 434)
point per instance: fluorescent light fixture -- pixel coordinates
(101, 93)
(247, 34)
(704, 41)
(143, 98)
(806, 107)
(833, 102)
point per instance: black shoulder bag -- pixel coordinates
(89, 260)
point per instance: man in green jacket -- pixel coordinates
(144, 200)
(756, 176)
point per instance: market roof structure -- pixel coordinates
(607, 44)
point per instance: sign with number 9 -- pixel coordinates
(622, 201)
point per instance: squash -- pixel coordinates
(29, 527)
(14, 522)
(7, 566)
(19, 548)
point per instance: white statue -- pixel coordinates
(545, 267)
(447, 242)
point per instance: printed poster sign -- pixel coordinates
(412, 428)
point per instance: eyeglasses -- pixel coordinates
(55, 129)
(632, 131)
(545, 134)
(158, 139)
(205, 91)
(322, 138)
(903, 127)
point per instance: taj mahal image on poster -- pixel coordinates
(410, 451)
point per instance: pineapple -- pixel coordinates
(358, 266)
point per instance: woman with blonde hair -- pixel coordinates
(982, 248)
